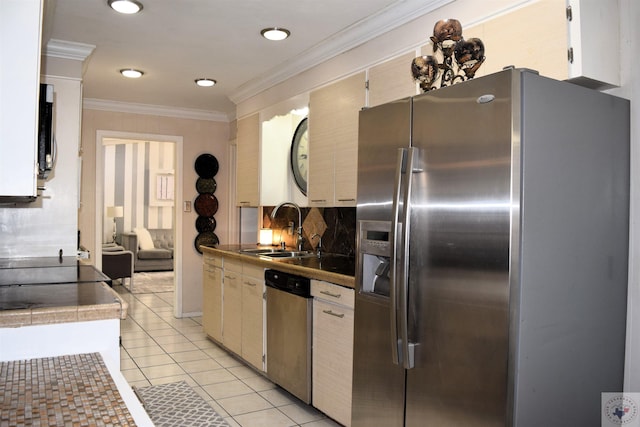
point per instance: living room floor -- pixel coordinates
(157, 348)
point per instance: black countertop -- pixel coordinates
(54, 295)
(334, 268)
(47, 271)
(340, 264)
(53, 261)
(50, 282)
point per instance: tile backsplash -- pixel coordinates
(336, 226)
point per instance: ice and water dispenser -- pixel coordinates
(374, 252)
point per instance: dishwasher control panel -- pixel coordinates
(287, 282)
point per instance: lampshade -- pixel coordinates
(115, 211)
(266, 236)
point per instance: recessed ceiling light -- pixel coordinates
(125, 6)
(131, 73)
(205, 82)
(275, 33)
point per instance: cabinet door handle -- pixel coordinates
(230, 277)
(346, 200)
(319, 200)
(331, 313)
(250, 283)
(331, 294)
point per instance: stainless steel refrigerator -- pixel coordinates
(492, 255)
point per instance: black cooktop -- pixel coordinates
(54, 295)
(46, 271)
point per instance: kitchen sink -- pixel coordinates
(260, 251)
(277, 253)
(289, 254)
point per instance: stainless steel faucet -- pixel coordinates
(299, 239)
(319, 248)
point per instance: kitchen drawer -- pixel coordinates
(212, 260)
(333, 293)
(255, 271)
(233, 265)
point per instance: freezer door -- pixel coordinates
(459, 255)
(382, 131)
(378, 383)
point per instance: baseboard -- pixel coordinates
(192, 314)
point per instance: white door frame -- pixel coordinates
(99, 202)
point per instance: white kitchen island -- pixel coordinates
(72, 324)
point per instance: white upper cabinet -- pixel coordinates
(574, 40)
(263, 169)
(248, 161)
(276, 180)
(594, 48)
(333, 142)
(20, 34)
(391, 80)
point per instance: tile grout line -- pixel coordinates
(147, 307)
(149, 380)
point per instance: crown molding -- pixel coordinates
(68, 50)
(391, 17)
(153, 110)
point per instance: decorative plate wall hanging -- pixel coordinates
(206, 166)
(206, 185)
(206, 204)
(204, 224)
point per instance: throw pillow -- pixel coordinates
(145, 242)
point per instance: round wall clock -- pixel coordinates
(300, 155)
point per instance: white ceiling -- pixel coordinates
(176, 41)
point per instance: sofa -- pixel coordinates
(152, 248)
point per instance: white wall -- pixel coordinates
(630, 89)
(195, 137)
(50, 223)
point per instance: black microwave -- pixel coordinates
(46, 138)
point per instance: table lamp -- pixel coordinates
(115, 212)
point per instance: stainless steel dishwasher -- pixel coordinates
(289, 314)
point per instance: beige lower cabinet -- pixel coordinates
(332, 349)
(253, 315)
(232, 306)
(212, 296)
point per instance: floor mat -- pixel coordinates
(151, 281)
(177, 405)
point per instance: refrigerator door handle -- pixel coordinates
(407, 349)
(396, 353)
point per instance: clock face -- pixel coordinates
(300, 155)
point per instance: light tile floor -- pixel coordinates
(157, 348)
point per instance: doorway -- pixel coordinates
(139, 178)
